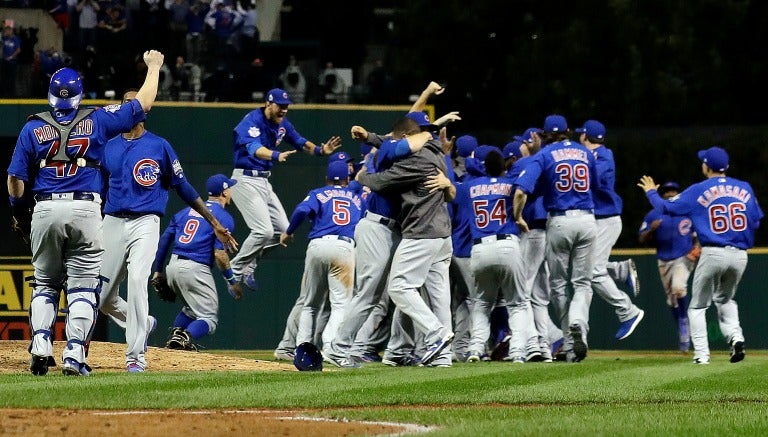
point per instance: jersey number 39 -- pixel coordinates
(572, 177)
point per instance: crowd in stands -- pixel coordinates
(212, 53)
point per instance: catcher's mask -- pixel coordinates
(308, 357)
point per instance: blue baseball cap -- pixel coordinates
(527, 136)
(338, 171)
(465, 145)
(278, 96)
(365, 149)
(715, 157)
(483, 151)
(422, 118)
(340, 157)
(217, 183)
(669, 186)
(593, 129)
(512, 150)
(555, 123)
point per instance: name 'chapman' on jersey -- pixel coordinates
(498, 188)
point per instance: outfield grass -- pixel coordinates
(611, 393)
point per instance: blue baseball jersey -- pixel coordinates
(333, 209)
(673, 237)
(141, 171)
(38, 141)
(534, 213)
(192, 236)
(386, 205)
(489, 202)
(461, 234)
(607, 202)
(724, 211)
(567, 171)
(255, 131)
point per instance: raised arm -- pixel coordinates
(148, 91)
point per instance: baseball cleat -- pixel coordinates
(737, 351)
(501, 350)
(627, 327)
(73, 368)
(249, 281)
(579, 346)
(632, 278)
(558, 354)
(284, 356)
(434, 350)
(370, 357)
(473, 357)
(134, 368)
(534, 357)
(407, 361)
(344, 363)
(701, 361)
(38, 365)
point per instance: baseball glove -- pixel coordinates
(163, 290)
(21, 221)
(694, 254)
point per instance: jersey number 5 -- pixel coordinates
(341, 215)
(484, 215)
(572, 177)
(724, 218)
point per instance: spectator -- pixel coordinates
(60, 14)
(87, 22)
(195, 27)
(333, 89)
(177, 25)
(11, 50)
(224, 22)
(293, 81)
(380, 84)
(249, 32)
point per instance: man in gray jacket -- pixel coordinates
(424, 253)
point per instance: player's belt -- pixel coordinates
(127, 214)
(570, 213)
(257, 173)
(181, 257)
(72, 195)
(492, 238)
(722, 247)
(386, 221)
(338, 237)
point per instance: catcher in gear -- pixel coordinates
(195, 248)
(676, 246)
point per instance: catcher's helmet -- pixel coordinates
(65, 90)
(308, 357)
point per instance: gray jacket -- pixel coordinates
(424, 214)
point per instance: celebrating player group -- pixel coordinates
(424, 250)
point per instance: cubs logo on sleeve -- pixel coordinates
(146, 172)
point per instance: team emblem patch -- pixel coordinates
(254, 131)
(112, 108)
(146, 172)
(685, 226)
(177, 170)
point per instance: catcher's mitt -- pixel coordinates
(21, 221)
(163, 290)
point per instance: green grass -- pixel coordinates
(611, 393)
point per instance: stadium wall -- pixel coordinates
(201, 133)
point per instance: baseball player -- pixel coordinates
(674, 240)
(608, 206)
(195, 249)
(725, 216)
(424, 253)
(566, 171)
(256, 141)
(329, 266)
(141, 168)
(496, 261)
(65, 228)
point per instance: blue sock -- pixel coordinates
(683, 304)
(197, 329)
(499, 323)
(182, 320)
